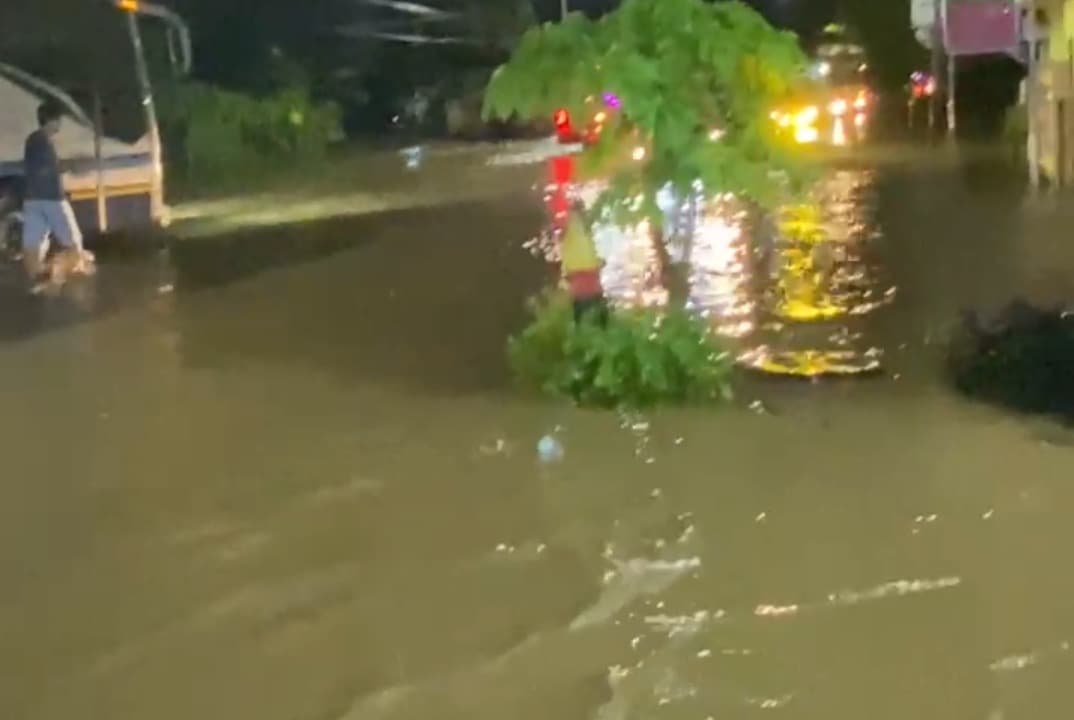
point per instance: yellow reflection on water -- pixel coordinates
(791, 301)
(823, 278)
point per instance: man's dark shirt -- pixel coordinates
(42, 168)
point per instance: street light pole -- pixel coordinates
(1033, 97)
(952, 90)
(937, 65)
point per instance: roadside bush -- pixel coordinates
(213, 134)
(637, 358)
(1020, 360)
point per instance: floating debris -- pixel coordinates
(550, 449)
(758, 407)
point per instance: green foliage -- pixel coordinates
(1020, 360)
(213, 134)
(682, 68)
(637, 358)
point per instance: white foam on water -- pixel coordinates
(843, 598)
(688, 625)
(631, 580)
(897, 588)
(532, 154)
(775, 610)
(1023, 661)
(770, 703)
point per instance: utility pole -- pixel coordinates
(937, 64)
(952, 88)
(563, 9)
(1033, 98)
(943, 36)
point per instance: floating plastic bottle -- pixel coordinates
(549, 449)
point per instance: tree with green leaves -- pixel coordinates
(697, 83)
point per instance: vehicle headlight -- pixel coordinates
(805, 134)
(807, 115)
(838, 107)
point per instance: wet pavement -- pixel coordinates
(281, 474)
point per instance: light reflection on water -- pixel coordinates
(821, 277)
(789, 297)
(721, 268)
(631, 273)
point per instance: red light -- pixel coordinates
(562, 169)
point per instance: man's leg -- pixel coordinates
(35, 228)
(65, 229)
(64, 226)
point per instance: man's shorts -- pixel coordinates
(42, 218)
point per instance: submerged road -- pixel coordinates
(280, 474)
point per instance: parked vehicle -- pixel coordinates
(838, 110)
(126, 169)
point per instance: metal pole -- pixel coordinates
(952, 88)
(937, 65)
(98, 154)
(1033, 110)
(563, 9)
(142, 68)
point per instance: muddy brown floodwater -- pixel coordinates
(281, 475)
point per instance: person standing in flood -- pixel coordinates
(581, 267)
(46, 210)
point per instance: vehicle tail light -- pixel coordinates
(562, 120)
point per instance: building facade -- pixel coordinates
(1050, 89)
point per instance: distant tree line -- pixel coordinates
(367, 57)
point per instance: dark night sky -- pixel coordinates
(231, 40)
(805, 16)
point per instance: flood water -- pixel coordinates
(283, 476)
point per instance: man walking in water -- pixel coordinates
(46, 211)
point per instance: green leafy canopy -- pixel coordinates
(682, 69)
